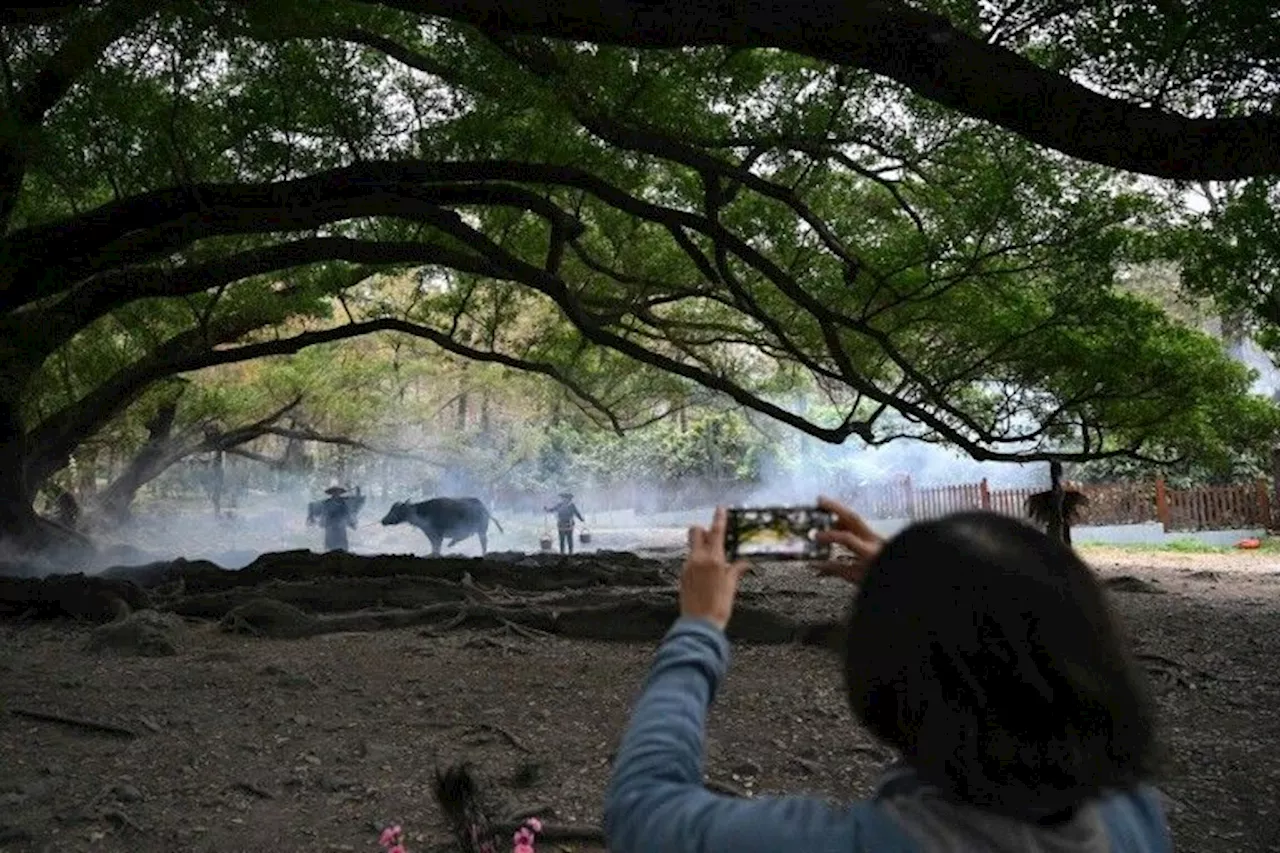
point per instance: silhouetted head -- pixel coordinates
(399, 512)
(986, 654)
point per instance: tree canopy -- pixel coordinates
(866, 204)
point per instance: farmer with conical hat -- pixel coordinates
(565, 512)
(336, 514)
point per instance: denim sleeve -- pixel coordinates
(656, 803)
(1135, 821)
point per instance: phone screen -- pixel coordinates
(777, 533)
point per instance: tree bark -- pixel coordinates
(17, 517)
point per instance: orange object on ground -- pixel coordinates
(1249, 544)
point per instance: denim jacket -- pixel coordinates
(656, 802)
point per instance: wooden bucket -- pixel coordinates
(584, 537)
(546, 543)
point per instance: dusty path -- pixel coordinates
(254, 745)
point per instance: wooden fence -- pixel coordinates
(1201, 508)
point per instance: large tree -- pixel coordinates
(765, 216)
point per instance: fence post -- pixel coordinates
(985, 492)
(1162, 503)
(1275, 477)
(1264, 504)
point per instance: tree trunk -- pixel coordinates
(157, 454)
(461, 424)
(17, 516)
(22, 532)
(219, 476)
(1058, 529)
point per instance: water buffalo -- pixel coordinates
(438, 518)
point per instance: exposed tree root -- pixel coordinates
(628, 620)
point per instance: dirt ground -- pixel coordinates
(248, 744)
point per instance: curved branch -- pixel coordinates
(101, 294)
(50, 443)
(923, 52)
(41, 261)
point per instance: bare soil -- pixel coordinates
(242, 743)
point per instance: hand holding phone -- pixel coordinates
(709, 582)
(851, 532)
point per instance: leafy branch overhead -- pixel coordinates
(750, 209)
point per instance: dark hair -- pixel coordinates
(985, 652)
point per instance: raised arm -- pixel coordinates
(656, 802)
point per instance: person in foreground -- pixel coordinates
(983, 652)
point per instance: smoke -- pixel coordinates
(1248, 353)
(264, 510)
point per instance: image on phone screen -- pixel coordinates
(778, 533)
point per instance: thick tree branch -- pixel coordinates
(163, 449)
(42, 261)
(104, 293)
(307, 434)
(923, 52)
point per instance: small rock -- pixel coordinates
(746, 768)
(374, 751)
(149, 723)
(127, 793)
(41, 790)
(807, 765)
(294, 680)
(334, 784)
(147, 633)
(302, 719)
(14, 835)
(256, 790)
(311, 759)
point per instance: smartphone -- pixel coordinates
(777, 533)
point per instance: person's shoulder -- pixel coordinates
(1135, 820)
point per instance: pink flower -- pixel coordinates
(534, 824)
(399, 848)
(522, 836)
(390, 836)
(522, 848)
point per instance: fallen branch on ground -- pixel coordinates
(76, 722)
(499, 730)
